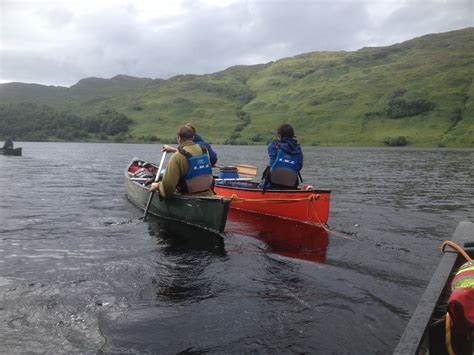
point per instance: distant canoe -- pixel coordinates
(307, 206)
(208, 212)
(425, 332)
(11, 151)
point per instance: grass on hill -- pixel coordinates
(421, 90)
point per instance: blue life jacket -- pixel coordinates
(199, 177)
(284, 170)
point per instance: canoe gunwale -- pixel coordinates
(264, 191)
(183, 197)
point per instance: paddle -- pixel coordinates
(244, 170)
(157, 178)
(247, 170)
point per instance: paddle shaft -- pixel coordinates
(157, 178)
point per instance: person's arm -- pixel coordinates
(212, 154)
(169, 149)
(301, 160)
(272, 151)
(171, 176)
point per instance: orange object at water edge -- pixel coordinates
(282, 236)
(304, 205)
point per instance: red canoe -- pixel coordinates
(308, 206)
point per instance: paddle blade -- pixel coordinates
(246, 170)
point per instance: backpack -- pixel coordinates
(284, 170)
(461, 301)
(459, 320)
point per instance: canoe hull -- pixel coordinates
(311, 206)
(11, 151)
(202, 211)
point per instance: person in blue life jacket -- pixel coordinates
(189, 169)
(198, 140)
(286, 161)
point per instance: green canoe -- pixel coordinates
(11, 151)
(202, 211)
(425, 333)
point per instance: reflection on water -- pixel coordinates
(177, 238)
(186, 252)
(284, 237)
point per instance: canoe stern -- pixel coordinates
(309, 206)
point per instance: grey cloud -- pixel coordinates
(420, 17)
(308, 26)
(233, 34)
(56, 16)
(207, 39)
(32, 67)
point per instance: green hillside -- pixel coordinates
(418, 92)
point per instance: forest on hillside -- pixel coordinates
(32, 122)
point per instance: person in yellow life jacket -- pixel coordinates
(189, 169)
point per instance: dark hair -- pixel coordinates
(185, 133)
(286, 131)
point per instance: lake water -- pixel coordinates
(79, 272)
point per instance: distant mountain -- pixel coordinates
(117, 85)
(30, 92)
(88, 87)
(418, 92)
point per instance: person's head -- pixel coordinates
(190, 125)
(285, 130)
(185, 134)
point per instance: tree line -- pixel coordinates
(33, 122)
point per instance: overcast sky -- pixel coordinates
(59, 42)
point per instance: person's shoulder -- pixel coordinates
(178, 159)
(202, 141)
(193, 149)
(180, 153)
